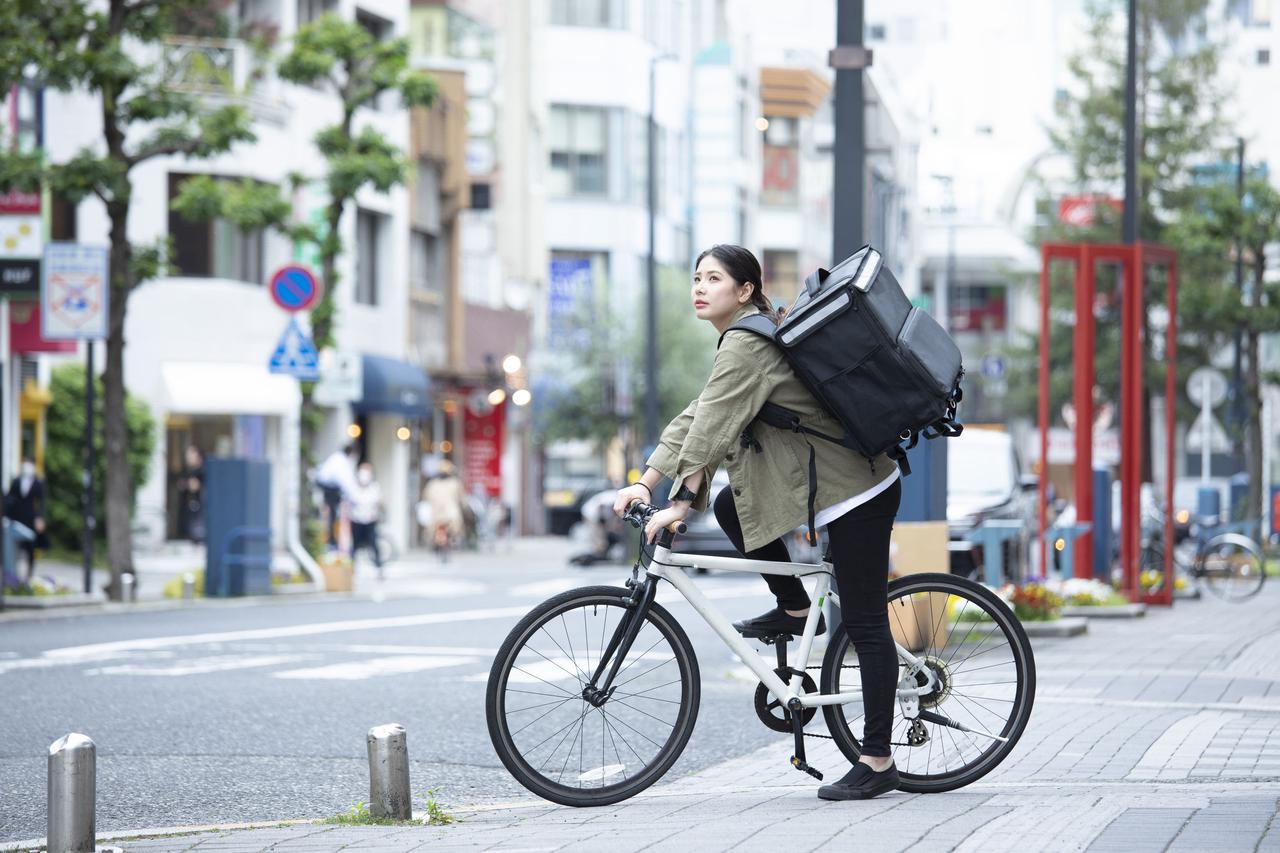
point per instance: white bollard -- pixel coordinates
(188, 586)
(72, 792)
(129, 592)
(389, 772)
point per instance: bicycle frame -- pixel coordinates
(671, 567)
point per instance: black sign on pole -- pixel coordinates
(20, 277)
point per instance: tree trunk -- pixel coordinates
(119, 499)
(1253, 394)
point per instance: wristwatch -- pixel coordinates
(685, 494)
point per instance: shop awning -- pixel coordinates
(394, 387)
(212, 388)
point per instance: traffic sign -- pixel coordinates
(1208, 428)
(993, 366)
(295, 355)
(75, 292)
(294, 287)
(1205, 383)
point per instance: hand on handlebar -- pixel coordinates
(666, 517)
(626, 497)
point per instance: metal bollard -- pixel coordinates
(389, 772)
(128, 591)
(188, 586)
(72, 792)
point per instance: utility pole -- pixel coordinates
(651, 295)
(1131, 134)
(848, 59)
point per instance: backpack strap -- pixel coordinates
(757, 323)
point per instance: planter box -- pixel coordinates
(1067, 626)
(1106, 611)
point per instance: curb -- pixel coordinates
(166, 604)
(1107, 611)
(1069, 626)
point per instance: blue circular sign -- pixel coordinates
(294, 288)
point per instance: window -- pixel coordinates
(781, 276)
(380, 28)
(875, 32)
(587, 13)
(370, 231)
(426, 267)
(213, 248)
(481, 196)
(578, 143)
(977, 308)
(1264, 56)
(62, 219)
(780, 181)
(309, 10)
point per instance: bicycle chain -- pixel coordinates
(815, 734)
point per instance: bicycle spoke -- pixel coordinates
(536, 720)
(646, 713)
(543, 680)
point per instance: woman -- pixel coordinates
(768, 492)
(366, 509)
(191, 496)
(443, 495)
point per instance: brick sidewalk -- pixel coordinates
(1148, 734)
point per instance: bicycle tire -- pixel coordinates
(1023, 665)
(512, 754)
(1238, 580)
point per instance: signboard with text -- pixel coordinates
(21, 242)
(73, 298)
(482, 450)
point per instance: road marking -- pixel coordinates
(373, 667)
(219, 663)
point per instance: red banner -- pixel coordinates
(482, 448)
(24, 330)
(1082, 210)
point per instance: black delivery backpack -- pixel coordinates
(883, 368)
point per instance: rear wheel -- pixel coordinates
(564, 748)
(979, 653)
(1232, 567)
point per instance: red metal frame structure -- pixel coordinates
(1133, 261)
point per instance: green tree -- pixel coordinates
(64, 453)
(1179, 116)
(343, 58)
(107, 49)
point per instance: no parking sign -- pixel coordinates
(294, 288)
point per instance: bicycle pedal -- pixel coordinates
(766, 638)
(801, 765)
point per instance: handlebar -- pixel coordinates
(639, 513)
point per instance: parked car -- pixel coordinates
(985, 481)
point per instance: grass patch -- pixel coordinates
(173, 589)
(358, 815)
(436, 813)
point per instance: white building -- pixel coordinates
(198, 341)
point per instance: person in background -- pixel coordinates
(366, 509)
(25, 504)
(443, 495)
(191, 496)
(336, 479)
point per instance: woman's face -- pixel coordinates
(716, 296)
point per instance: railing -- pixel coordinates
(216, 67)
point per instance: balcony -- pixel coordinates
(222, 68)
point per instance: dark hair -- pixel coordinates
(743, 268)
(350, 449)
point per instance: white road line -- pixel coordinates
(373, 667)
(219, 663)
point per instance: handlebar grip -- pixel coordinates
(678, 527)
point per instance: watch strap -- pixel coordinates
(685, 494)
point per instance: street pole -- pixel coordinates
(651, 295)
(1237, 367)
(86, 533)
(1131, 134)
(849, 58)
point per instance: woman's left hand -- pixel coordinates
(670, 515)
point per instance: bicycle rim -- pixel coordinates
(1232, 569)
(980, 653)
(557, 744)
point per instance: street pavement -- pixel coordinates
(1148, 734)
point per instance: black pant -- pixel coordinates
(366, 536)
(333, 503)
(859, 542)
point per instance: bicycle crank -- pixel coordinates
(773, 713)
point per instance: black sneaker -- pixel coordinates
(861, 783)
(777, 621)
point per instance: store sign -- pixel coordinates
(21, 242)
(1081, 211)
(482, 451)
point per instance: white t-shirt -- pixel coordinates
(366, 501)
(831, 513)
(337, 472)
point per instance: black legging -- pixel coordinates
(860, 553)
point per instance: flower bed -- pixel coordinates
(1085, 592)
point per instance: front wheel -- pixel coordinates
(564, 748)
(1232, 567)
(986, 675)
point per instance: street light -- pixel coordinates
(651, 318)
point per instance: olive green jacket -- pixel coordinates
(770, 484)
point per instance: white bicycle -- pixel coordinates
(594, 694)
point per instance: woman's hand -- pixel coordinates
(670, 515)
(626, 497)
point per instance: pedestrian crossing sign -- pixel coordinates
(296, 354)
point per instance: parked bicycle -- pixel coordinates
(1231, 565)
(594, 694)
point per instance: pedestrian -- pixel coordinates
(24, 503)
(768, 495)
(191, 524)
(443, 495)
(366, 509)
(336, 479)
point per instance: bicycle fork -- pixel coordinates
(642, 592)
